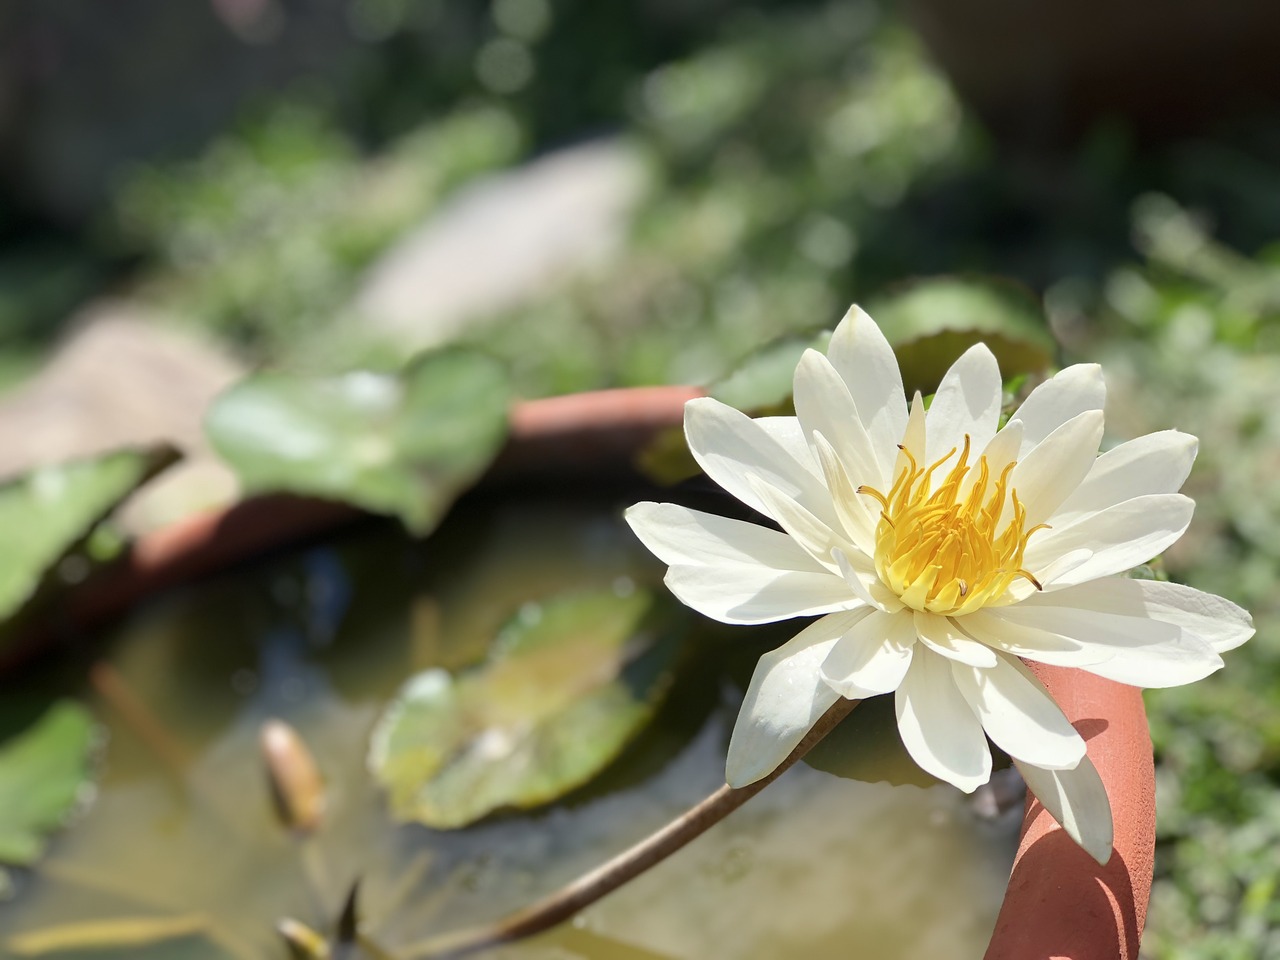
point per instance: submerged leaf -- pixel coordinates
(931, 322)
(43, 774)
(117, 932)
(297, 788)
(403, 444)
(566, 687)
(48, 511)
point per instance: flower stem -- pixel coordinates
(590, 887)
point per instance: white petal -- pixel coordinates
(785, 698)
(824, 405)
(1046, 576)
(865, 361)
(866, 585)
(912, 438)
(1217, 622)
(857, 518)
(729, 446)
(1156, 463)
(787, 433)
(872, 658)
(937, 725)
(815, 536)
(1051, 471)
(1019, 715)
(1021, 640)
(1133, 650)
(1054, 402)
(943, 637)
(1121, 537)
(1078, 800)
(733, 571)
(967, 402)
(999, 453)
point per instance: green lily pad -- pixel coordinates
(567, 685)
(761, 383)
(931, 322)
(44, 771)
(403, 444)
(866, 747)
(46, 512)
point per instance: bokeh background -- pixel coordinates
(647, 192)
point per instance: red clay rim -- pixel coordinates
(1060, 903)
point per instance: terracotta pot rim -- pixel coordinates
(1060, 903)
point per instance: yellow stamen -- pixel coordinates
(946, 552)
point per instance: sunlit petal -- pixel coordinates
(1054, 402)
(967, 402)
(1077, 799)
(1018, 714)
(871, 658)
(785, 698)
(938, 727)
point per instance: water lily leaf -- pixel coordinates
(44, 771)
(761, 383)
(567, 685)
(405, 444)
(866, 746)
(46, 512)
(932, 322)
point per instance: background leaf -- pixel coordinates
(761, 384)
(43, 773)
(403, 444)
(46, 512)
(931, 322)
(563, 691)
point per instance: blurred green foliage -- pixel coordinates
(263, 237)
(802, 156)
(1190, 338)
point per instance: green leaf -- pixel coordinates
(46, 512)
(866, 747)
(43, 773)
(761, 383)
(565, 688)
(404, 444)
(932, 322)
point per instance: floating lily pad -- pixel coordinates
(405, 444)
(46, 512)
(866, 746)
(44, 771)
(761, 384)
(931, 322)
(567, 685)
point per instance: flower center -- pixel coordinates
(945, 549)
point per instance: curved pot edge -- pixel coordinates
(1053, 880)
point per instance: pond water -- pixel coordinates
(182, 838)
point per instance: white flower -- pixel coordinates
(939, 550)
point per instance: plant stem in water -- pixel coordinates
(590, 887)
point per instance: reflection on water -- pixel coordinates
(816, 866)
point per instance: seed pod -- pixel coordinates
(296, 785)
(304, 943)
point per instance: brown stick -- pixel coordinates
(590, 887)
(115, 690)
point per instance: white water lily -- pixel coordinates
(939, 550)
